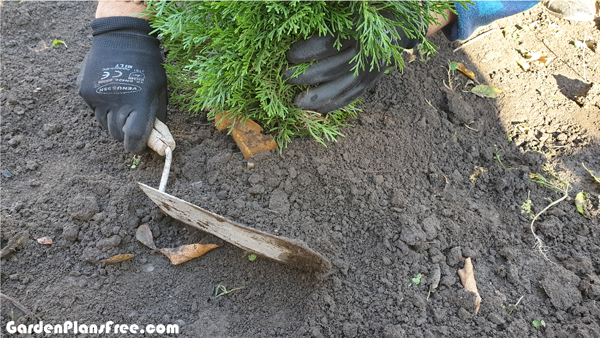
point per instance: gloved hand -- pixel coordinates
(122, 79)
(337, 85)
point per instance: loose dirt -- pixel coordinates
(385, 203)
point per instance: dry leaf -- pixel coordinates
(45, 240)
(539, 59)
(486, 91)
(247, 135)
(468, 281)
(532, 56)
(597, 179)
(185, 253)
(144, 235)
(117, 259)
(177, 255)
(465, 71)
(580, 203)
(545, 60)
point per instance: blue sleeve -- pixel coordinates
(482, 13)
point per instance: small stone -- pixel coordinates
(419, 301)
(70, 232)
(15, 141)
(148, 267)
(273, 182)
(16, 207)
(387, 261)
(279, 202)
(110, 242)
(257, 190)
(51, 128)
(496, 318)
(255, 179)
(431, 225)
(468, 252)
(454, 256)
(398, 199)
(180, 322)
(19, 111)
(292, 172)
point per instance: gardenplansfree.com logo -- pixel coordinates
(76, 328)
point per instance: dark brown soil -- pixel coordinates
(375, 203)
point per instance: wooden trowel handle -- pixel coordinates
(160, 138)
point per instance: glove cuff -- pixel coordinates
(123, 32)
(117, 23)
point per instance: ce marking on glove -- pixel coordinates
(105, 75)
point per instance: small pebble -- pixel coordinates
(148, 267)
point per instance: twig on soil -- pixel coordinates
(515, 306)
(429, 103)
(471, 128)
(558, 57)
(220, 290)
(474, 39)
(12, 245)
(18, 305)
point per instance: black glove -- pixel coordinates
(337, 85)
(122, 79)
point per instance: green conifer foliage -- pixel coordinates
(227, 57)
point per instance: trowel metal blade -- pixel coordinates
(291, 252)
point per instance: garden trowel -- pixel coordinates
(291, 252)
